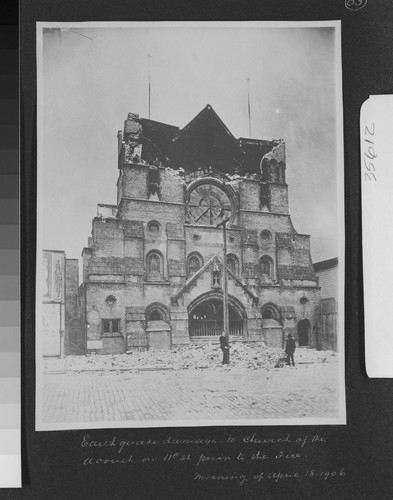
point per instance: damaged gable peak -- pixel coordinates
(207, 111)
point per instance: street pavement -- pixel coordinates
(308, 390)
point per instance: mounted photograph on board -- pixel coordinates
(190, 225)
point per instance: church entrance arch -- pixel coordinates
(205, 316)
(303, 332)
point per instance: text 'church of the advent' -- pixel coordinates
(153, 268)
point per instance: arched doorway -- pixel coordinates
(75, 338)
(205, 316)
(303, 332)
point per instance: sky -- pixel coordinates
(89, 78)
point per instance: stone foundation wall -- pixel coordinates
(158, 341)
(273, 337)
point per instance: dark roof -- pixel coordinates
(254, 150)
(207, 117)
(325, 264)
(157, 138)
(204, 142)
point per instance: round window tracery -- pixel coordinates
(209, 203)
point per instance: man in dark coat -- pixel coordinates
(224, 344)
(290, 347)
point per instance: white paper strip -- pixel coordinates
(376, 135)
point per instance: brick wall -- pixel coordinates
(265, 220)
(273, 337)
(135, 327)
(249, 191)
(71, 288)
(134, 181)
(107, 238)
(250, 253)
(279, 198)
(134, 252)
(97, 308)
(172, 186)
(294, 258)
(209, 242)
(152, 210)
(175, 249)
(157, 292)
(179, 322)
(86, 258)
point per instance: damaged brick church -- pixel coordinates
(152, 271)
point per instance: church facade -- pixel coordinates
(153, 267)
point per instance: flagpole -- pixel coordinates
(249, 107)
(148, 58)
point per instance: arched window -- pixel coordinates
(233, 264)
(271, 311)
(266, 266)
(154, 263)
(157, 311)
(154, 266)
(281, 166)
(274, 177)
(265, 170)
(155, 315)
(194, 263)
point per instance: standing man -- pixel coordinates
(290, 347)
(224, 344)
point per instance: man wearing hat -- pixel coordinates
(290, 347)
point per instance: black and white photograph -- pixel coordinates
(190, 225)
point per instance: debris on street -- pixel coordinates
(248, 355)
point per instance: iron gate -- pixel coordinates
(211, 327)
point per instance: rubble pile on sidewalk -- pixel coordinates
(194, 356)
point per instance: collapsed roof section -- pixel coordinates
(205, 142)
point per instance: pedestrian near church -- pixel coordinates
(290, 347)
(224, 344)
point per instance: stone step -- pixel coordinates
(214, 338)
